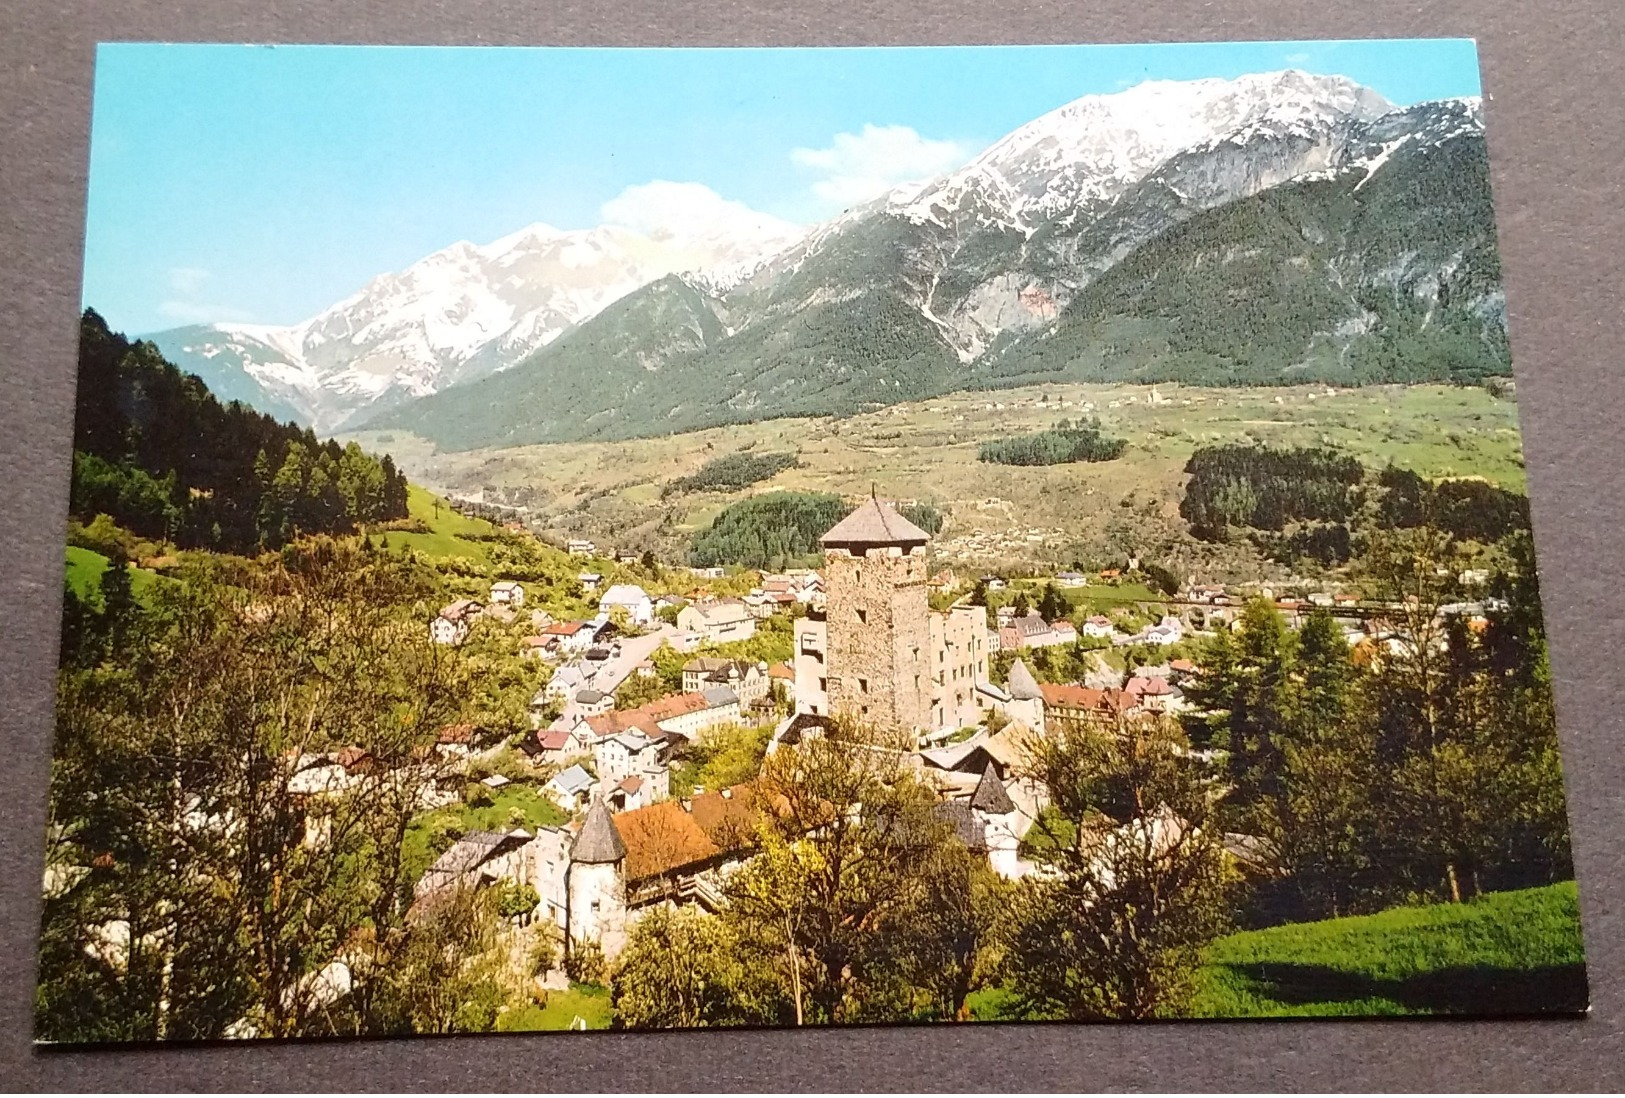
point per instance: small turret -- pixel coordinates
(991, 797)
(599, 842)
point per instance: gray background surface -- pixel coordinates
(1556, 122)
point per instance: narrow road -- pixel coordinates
(634, 650)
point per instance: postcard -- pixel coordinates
(576, 539)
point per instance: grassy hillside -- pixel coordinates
(84, 573)
(611, 491)
(1508, 952)
(450, 533)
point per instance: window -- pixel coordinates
(863, 685)
(863, 616)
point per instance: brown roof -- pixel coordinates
(455, 733)
(781, 671)
(1068, 696)
(666, 837)
(564, 628)
(875, 523)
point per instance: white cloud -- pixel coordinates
(859, 166)
(1297, 58)
(187, 280)
(663, 210)
(185, 284)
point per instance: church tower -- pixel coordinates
(878, 620)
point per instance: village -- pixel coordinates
(865, 643)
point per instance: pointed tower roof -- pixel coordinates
(1021, 684)
(874, 524)
(599, 843)
(990, 795)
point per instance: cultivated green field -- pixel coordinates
(610, 491)
(1507, 952)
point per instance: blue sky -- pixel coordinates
(264, 183)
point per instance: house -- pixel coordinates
(684, 641)
(622, 756)
(589, 581)
(1064, 703)
(1099, 627)
(1204, 592)
(570, 787)
(478, 859)
(684, 715)
(1032, 631)
(709, 573)
(574, 637)
(748, 680)
(639, 791)
(566, 683)
(942, 582)
(454, 740)
(764, 604)
(539, 648)
(645, 669)
(1166, 632)
(592, 702)
(1063, 632)
(451, 625)
(621, 864)
(994, 583)
(552, 745)
(1071, 579)
(507, 593)
(782, 675)
(579, 547)
(1154, 695)
(630, 598)
(718, 621)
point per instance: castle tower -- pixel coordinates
(596, 888)
(878, 620)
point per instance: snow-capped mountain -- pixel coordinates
(1273, 227)
(460, 313)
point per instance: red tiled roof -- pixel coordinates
(556, 739)
(666, 837)
(1068, 696)
(781, 671)
(564, 628)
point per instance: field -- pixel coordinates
(610, 491)
(1508, 952)
(1503, 953)
(448, 534)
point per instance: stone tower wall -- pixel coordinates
(879, 637)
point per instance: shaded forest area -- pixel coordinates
(155, 451)
(1319, 503)
(781, 529)
(1065, 442)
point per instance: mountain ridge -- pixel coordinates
(971, 297)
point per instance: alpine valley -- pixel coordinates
(1274, 229)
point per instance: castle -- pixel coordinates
(878, 652)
